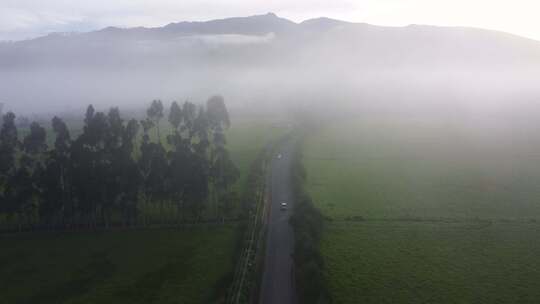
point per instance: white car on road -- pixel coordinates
(283, 206)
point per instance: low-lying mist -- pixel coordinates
(271, 65)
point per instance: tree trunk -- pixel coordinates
(158, 134)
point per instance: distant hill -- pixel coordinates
(248, 57)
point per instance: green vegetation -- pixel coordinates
(413, 168)
(127, 266)
(192, 264)
(248, 271)
(427, 211)
(111, 174)
(404, 262)
(245, 140)
(307, 223)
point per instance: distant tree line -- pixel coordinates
(119, 172)
(308, 223)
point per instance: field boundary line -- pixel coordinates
(256, 227)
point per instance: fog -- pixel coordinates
(267, 64)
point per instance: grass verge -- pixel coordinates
(307, 223)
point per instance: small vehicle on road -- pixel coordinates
(283, 206)
(279, 156)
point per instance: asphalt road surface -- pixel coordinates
(277, 282)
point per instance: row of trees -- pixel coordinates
(308, 223)
(119, 172)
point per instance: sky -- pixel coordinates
(24, 19)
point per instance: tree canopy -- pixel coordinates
(116, 172)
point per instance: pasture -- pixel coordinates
(407, 262)
(428, 210)
(425, 168)
(247, 138)
(129, 266)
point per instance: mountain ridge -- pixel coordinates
(265, 55)
(252, 25)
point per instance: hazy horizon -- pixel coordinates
(268, 62)
(27, 19)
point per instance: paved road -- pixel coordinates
(277, 284)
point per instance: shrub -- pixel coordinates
(307, 223)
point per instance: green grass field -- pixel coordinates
(247, 138)
(412, 168)
(402, 262)
(146, 266)
(450, 212)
